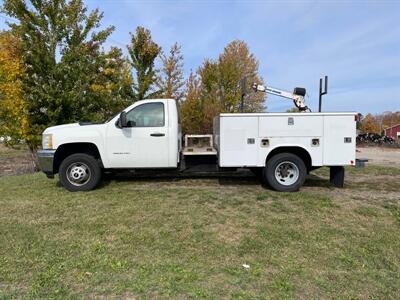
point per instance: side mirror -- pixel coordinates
(122, 121)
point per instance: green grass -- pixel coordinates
(190, 238)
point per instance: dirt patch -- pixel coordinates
(15, 161)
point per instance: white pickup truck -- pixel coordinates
(280, 147)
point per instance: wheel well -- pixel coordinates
(66, 150)
(300, 152)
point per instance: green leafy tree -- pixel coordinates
(62, 55)
(170, 81)
(221, 84)
(191, 108)
(143, 51)
(113, 84)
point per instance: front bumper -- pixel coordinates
(46, 162)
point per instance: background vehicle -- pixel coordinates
(146, 137)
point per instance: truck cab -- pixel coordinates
(149, 139)
(282, 148)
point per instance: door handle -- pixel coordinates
(157, 134)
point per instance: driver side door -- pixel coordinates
(144, 143)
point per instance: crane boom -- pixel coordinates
(297, 96)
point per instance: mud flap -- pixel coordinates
(336, 176)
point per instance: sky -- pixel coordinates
(355, 43)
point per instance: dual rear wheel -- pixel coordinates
(285, 172)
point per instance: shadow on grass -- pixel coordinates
(103, 183)
(316, 181)
(225, 179)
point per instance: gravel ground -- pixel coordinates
(380, 156)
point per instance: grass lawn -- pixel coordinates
(189, 239)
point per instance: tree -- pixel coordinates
(358, 124)
(390, 119)
(143, 52)
(221, 85)
(191, 110)
(113, 85)
(62, 55)
(170, 81)
(212, 94)
(234, 64)
(14, 121)
(369, 124)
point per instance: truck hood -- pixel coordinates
(77, 133)
(71, 126)
(58, 127)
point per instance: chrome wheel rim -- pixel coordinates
(78, 174)
(287, 173)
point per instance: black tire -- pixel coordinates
(84, 164)
(296, 166)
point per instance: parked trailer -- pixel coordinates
(146, 139)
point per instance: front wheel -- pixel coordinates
(80, 172)
(285, 172)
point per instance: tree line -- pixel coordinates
(54, 69)
(379, 122)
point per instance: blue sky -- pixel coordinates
(355, 43)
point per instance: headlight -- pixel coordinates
(47, 141)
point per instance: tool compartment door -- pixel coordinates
(291, 125)
(238, 141)
(339, 140)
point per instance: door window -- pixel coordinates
(146, 115)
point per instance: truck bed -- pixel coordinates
(245, 140)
